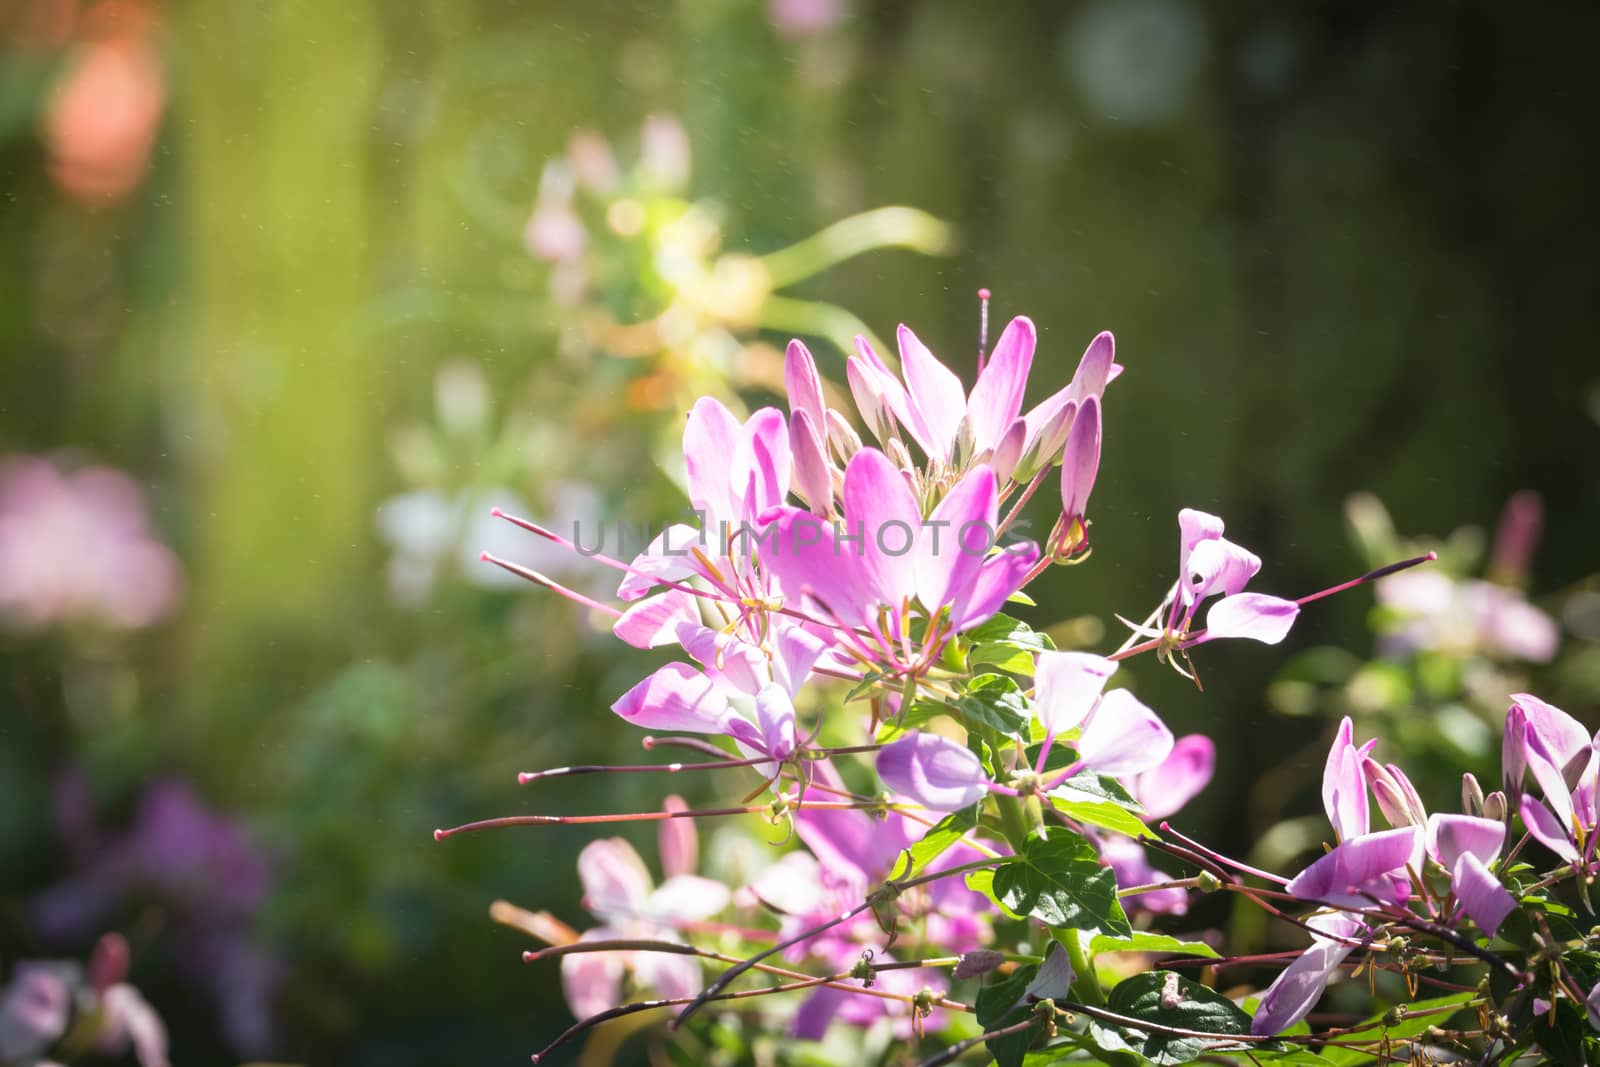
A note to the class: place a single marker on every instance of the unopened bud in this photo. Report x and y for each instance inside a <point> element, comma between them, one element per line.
<point>1471,795</point>
<point>1397,797</point>
<point>898,454</point>
<point>966,443</point>
<point>867,387</point>
<point>1207,882</point>
<point>1495,806</point>
<point>1009,450</point>
<point>843,441</point>
<point>1045,448</point>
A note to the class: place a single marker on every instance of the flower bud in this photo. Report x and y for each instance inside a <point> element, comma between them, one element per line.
<point>1471,795</point>
<point>843,441</point>
<point>1009,450</point>
<point>868,391</point>
<point>1494,806</point>
<point>1044,450</point>
<point>1396,797</point>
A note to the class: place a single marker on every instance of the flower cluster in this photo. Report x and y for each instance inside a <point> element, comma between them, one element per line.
<point>971,803</point>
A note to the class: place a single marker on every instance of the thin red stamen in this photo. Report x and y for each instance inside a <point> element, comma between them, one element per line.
<point>650,816</point>
<point>554,586</point>
<point>1370,576</point>
<point>637,768</point>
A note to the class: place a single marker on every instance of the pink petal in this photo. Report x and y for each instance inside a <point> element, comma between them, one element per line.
<point>802,553</point>
<point>1482,897</point>
<point>1001,575</point>
<point>1066,685</point>
<point>880,506</point>
<point>1293,994</point>
<point>675,697</point>
<point>813,478</point>
<point>761,457</point>
<point>956,539</point>
<point>1255,616</point>
<point>1218,564</point>
<point>933,770</point>
<point>775,716</point>
<point>669,975</point>
<point>1094,368</point>
<point>677,841</point>
<point>1165,789</point>
<point>803,384</point>
<point>935,391</point>
<point>1363,869</point>
<point>687,898</point>
<point>1452,836</point>
<point>709,439</point>
<point>1081,460</point>
<point>1123,736</point>
<point>1547,829</point>
<point>1194,528</point>
<point>997,397</point>
<point>616,882</point>
<point>724,657</point>
<point>1591,1005</point>
<point>1563,736</point>
<point>1048,426</point>
<point>888,394</point>
<point>667,557</point>
<point>654,622</point>
<point>1344,786</point>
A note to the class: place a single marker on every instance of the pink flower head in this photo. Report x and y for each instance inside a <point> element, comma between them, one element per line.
<point>618,890</point>
<point>885,552</point>
<point>1209,564</point>
<point>1466,845</point>
<point>932,405</point>
<point>77,548</point>
<point>738,689</point>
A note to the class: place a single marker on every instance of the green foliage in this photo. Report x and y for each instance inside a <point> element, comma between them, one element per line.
<point>1008,644</point>
<point>1059,881</point>
<point>1169,999</point>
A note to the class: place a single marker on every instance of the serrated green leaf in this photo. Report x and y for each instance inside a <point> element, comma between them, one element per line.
<point>1144,941</point>
<point>995,701</point>
<point>1059,881</point>
<point>1196,1007</point>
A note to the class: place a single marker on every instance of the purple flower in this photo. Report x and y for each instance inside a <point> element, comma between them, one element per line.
<point>1344,786</point>
<point>1363,871</point>
<point>1542,738</point>
<point>1209,564</point>
<point>1465,845</point>
<point>1296,991</point>
<point>934,771</point>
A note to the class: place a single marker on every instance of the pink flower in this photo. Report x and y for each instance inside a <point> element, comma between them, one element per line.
<point>1296,991</point>
<point>618,890</point>
<point>77,548</point>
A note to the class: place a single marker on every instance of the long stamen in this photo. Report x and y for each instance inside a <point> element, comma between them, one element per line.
<point>983,326</point>
<point>554,586</point>
<point>637,768</point>
<point>1370,576</point>
<point>650,816</point>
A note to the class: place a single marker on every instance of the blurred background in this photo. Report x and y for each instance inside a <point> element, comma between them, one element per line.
<point>291,293</point>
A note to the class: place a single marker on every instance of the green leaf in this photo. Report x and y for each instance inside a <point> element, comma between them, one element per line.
<point>945,833</point>
<point>1144,941</point>
<point>1007,643</point>
<point>997,1005</point>
<point>1105,814</point>
<point>995,701</point>
<point>1059,881</point>
<point>1167,998</point>
<point>1418,1016</point>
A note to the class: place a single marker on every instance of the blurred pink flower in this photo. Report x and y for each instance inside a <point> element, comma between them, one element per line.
<point>103,113</point>
<point>77,547</point>
<point>805,18</point>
